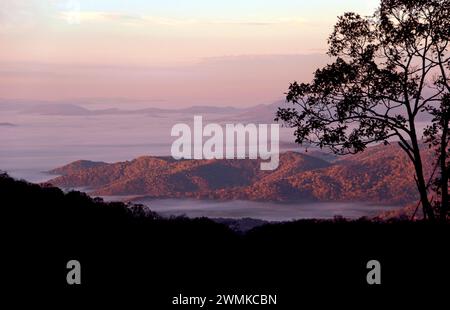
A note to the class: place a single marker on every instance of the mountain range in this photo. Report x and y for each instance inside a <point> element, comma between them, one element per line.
<point>260,112</point>
<point>381,174</point>
<point>255,113</point>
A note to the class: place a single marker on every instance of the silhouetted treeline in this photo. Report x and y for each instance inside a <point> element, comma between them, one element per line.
<point>126,249</point>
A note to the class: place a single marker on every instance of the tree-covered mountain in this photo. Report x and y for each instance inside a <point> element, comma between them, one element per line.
<point>382,174</point>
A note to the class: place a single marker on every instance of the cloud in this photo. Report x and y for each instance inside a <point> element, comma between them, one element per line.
<point>100,16</point>
<point>236,80</point>
<point>259,21</point>
<point>119,17</point>
<point>20,12</point>
<point>124,18</point>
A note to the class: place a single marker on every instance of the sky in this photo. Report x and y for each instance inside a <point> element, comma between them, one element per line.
<point>172,53</point>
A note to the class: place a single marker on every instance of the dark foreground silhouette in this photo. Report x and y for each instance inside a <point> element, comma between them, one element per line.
<point>133,253</point>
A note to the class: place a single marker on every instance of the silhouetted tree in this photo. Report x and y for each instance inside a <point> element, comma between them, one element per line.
<point>388,70</point>
<point>437,136</point>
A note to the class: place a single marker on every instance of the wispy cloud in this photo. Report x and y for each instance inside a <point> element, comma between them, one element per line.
<point>101,16</point>
<point>231,80</point>
<point>259,21</point>
<point>118,17</point>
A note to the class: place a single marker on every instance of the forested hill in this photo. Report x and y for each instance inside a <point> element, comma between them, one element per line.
<point>382,174</point>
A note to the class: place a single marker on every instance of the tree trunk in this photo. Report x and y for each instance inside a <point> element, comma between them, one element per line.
<point>428,212</point>
<point>421,186</point>
<point>444,171</point>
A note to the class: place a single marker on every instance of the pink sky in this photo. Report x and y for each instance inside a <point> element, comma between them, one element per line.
<point>239,53</point>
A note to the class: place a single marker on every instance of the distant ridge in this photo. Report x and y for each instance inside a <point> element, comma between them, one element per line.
<point>77,166</point>
<point>382,174</point>
<point>5,124</point>
<point>259,113</point>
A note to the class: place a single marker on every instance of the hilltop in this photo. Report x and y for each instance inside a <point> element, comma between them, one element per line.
<point>382,174</point>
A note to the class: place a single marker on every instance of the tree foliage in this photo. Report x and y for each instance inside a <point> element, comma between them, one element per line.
<point>389,70</point>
